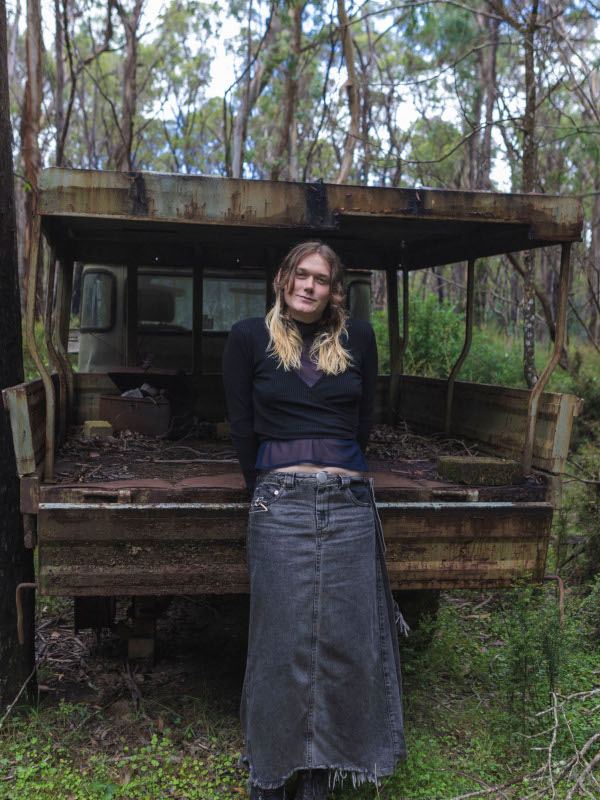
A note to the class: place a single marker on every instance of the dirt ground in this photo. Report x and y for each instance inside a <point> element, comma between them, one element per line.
<point>200,657</point>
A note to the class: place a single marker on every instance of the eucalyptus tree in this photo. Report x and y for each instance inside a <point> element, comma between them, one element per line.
<point>17,664</point>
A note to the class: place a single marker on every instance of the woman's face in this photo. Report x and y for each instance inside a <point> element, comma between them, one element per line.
<point>311,289</point>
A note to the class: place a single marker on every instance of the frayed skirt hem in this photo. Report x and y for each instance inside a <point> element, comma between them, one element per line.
<point>337,773</point>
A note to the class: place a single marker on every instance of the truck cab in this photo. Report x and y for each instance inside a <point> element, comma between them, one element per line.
<point>171,262</point>
<point>165,313</point>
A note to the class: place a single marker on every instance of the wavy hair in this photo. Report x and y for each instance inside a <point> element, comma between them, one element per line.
<point>285,341</point>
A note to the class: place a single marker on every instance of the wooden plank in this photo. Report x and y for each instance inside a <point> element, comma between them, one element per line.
<point>493,416</point>
<point>26,405</point>
<point>104,549</point>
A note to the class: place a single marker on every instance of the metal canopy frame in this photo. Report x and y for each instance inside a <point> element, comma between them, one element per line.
<point>181,220</point>
<point>117,218</point>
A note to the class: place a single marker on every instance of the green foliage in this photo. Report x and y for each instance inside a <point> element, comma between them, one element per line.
<point>435,340</point>
<point>29,368</point>
<point>538,647</point>
<point>579,520</point>
<point>47,755</point>
<point>471,699</point>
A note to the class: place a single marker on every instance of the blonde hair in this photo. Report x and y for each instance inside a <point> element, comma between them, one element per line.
<point>285,340</point>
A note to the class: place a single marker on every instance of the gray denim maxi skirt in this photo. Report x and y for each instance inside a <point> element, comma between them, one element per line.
<point>323,687</point>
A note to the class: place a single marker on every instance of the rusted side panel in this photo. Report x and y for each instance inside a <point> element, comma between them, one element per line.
<point>30,490</point>
<point>146,195</point>
<point>461,545</point>
<point>26,405</point>
<point>97,549</point>
<point>495,417</point>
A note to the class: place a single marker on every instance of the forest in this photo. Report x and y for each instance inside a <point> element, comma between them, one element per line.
<point>497,95</point>
<point>502,687</point>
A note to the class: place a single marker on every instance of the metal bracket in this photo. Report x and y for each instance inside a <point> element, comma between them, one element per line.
<point>559,342</point>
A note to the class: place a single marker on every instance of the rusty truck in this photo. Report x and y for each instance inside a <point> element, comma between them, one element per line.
<point>171,262</point>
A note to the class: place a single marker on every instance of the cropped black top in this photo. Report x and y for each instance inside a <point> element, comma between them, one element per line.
<point>265,402</point>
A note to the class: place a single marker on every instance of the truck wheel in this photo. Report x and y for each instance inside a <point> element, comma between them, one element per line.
<point>419,608</point>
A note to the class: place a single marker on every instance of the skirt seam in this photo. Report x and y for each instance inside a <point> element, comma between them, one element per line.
<point>384,661</point>
<point>313,660</point>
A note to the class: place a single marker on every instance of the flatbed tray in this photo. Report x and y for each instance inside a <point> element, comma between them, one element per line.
<point>200,468</point>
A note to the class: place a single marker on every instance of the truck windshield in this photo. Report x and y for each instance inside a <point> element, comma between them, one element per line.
<point>165,302</point>
<point>228,300</point>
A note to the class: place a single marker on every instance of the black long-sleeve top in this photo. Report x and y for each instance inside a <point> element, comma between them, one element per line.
<point>264,401</point>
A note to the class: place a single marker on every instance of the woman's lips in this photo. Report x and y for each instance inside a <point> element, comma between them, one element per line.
<point>308,299</point>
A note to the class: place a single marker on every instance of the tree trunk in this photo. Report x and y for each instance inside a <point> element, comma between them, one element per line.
<point>593,271</point>
<point>288,142</point>
<point>352,91</point>
<point>30,120</point>
<point>489,76</point>
<point>366,104</point>
<point>528,185</point>
<point>262,72</point>
<point>60,82</point>
<point>16,563</point>
<point>123,153</point>
<point>12,45</point>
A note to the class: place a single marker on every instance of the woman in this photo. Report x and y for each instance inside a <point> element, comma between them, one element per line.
<point>322,690</point>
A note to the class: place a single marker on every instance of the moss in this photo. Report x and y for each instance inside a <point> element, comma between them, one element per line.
<point>479,471</point>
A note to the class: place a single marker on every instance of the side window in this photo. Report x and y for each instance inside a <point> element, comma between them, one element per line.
<point>228,300</point>
<point>165,303</point>
<point>98,301</point>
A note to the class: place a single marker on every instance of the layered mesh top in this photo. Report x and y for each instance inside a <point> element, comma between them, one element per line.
<point>279,418</point>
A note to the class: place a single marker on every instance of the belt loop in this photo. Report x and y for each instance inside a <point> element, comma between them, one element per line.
<point>344,481</point>
<point>289,480</point>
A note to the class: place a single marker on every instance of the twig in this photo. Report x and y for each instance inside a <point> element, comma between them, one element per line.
<point>582,777</point>
<point>192,460</point>
<point>16,700</point>
<point>472,778</point>
<point>553,742</point>
<point>484,603</point>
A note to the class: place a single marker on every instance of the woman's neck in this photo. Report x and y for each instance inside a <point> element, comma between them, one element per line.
<point>307,328</point>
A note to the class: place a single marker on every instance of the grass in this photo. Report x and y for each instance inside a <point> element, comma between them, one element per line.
<point>471,699</point>
<point>469,708</point>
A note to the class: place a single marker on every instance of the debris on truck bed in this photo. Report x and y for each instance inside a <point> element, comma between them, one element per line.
<point>390,442</point>
<point>133,455</point>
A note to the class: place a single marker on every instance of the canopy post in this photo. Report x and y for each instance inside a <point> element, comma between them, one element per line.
<point>132,313</point>
<point>397,346</point>
<point>559,343</point>
<point>54,357</point>
<point>197,318</point>
<point>466,346</point>
<point>64,291</point>
<point>34,260</point>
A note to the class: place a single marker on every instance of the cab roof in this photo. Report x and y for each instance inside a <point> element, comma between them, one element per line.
<point>187,220</point>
